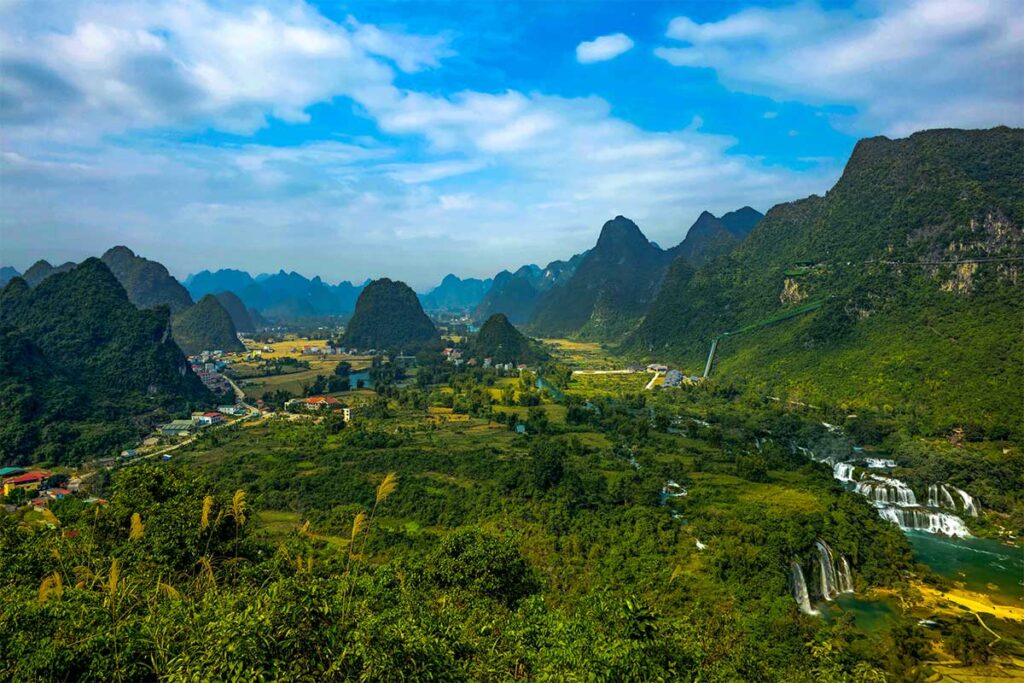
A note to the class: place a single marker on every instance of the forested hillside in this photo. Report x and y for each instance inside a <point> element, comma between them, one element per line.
<point>82,370</point>
<point>206,326</point>
<point>147,283</point>
<point>388,315</point>
<point>516,294</point>
<point>610,290</point>
<point>898,324</point>
<point>500,341</point>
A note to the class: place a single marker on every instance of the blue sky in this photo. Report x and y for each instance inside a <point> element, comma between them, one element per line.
<point>412,139</point>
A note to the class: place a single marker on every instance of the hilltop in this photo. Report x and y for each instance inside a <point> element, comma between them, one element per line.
<point>147,283</point>
<point>516,294</point>
<point>610,290</point>
<point>500,341</point>
<point>388,315</point>
<point>455,294</point>
<point>206,326</point>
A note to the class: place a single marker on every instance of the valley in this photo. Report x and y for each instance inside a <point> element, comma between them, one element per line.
<point>787,449</point>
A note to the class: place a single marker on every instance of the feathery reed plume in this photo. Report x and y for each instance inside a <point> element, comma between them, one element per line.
<point>204,520</point>
<point>49,517</point>
<point>386,487</point>
<point>358,526</point>
<point>114,576</point>
<point>51,586</point>
<point>167,590</point>
<point>138,529</point>
<point>239,507</point>
<point>676,573</point>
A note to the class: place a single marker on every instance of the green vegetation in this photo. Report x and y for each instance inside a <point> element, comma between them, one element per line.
<point>610,290</point>
<point>147,282</point>
<point>204,327</point>
<point>82,371</point>
<point>241,318</point>
<point>942,342</point>
<point>503,343</point>
<point>388,315</point>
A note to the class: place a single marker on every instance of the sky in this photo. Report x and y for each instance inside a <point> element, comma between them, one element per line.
<point>412,139</point>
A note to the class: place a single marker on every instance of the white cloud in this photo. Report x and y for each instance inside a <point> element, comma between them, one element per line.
<point>603,48</point>
<point>504,178</point>
<point>119,66</point>
<point>904,65</point>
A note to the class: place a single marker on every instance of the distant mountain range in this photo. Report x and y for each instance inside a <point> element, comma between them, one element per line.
<point>455,294</point>
<point>283,296</point>
<point>516,294</point>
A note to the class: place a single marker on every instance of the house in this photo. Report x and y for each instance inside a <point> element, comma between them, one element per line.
<point>178,428</point>
<point>657,367</point>
<point>207,419</point>
<point>314,402</point>
<point>231,410</point>
<point>673,378</point>
<point>10,471</point>
<point>488,362</point>
<point>29,481</point>
<point>128,453</point>
<point>58,494</point>
<point>346,414</point>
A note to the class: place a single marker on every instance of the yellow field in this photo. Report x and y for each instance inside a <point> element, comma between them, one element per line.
<point>580,354</point>
<point>608,385</point>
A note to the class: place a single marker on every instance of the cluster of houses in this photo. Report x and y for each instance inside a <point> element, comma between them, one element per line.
<point>455,356</point>
<point>199,420</point>
<point>38,482</point>
<point>320,403</point>
<point>208,366</point>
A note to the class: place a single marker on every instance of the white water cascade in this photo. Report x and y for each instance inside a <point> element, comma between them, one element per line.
<point>827,566</point>
<point>844,575</point>
<point>800,594</point>
<point>886,491</point>
<point>969,505</point>
<point>938,496</point>
<point>926,520</point>
<point>880,463</point>
<point>843,471</point>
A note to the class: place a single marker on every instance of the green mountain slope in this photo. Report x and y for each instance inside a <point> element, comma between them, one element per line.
<point>942,340</point>
<point>610,290</point>
<point>40,270</point>
<point>82,370</point>
<point>388,315</point>
<point>204,327</point>
<point>516,294</point>
<point>147,282</point>
<point>499,340</point>
<point>241,318</point>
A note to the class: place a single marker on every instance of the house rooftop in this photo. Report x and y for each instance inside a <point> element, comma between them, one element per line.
<point>27,478</point>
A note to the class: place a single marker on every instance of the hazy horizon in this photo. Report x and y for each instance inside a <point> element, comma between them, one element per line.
<point>412,140</point>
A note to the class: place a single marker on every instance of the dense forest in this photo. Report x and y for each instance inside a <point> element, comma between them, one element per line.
<point>82,370</point>
<point>388,315</point>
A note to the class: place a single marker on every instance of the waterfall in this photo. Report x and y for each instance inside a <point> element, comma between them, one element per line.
<point>844,575</point>
<point>880,463</point>
<point>886,491</point>
<point>800,594</point>
<point>828,571</point>
<point>843,471</point>
<point>926,520</point>
<point>969,506</point>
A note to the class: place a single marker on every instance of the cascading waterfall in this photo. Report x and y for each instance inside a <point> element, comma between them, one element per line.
<point>969,505</point>
<point>800,594</point>
<point>880,463</point>
<point>844,575</point>
<point>896,502</point>
<point>826,563</point>
<point>926,520</point>
<point>938,496</point>
<point>886,491</point>
<point>843,471</point>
